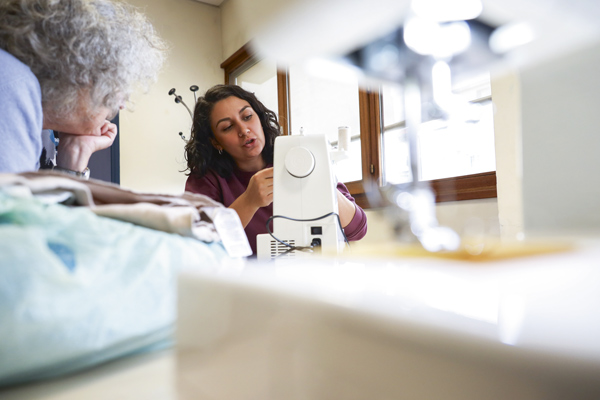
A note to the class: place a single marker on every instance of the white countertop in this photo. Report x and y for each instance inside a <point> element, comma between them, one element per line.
<point>411,327</point>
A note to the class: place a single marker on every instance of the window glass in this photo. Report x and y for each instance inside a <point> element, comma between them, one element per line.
<point>393,106</point>
<point>319,104</point>
<point>261,79</point>
<point>457,149</point>
<point>446,148</point>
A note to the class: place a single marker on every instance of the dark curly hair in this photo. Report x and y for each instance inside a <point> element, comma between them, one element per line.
<point>201,155</point>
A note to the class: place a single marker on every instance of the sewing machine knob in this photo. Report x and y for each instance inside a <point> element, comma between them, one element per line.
<point>299,162</point>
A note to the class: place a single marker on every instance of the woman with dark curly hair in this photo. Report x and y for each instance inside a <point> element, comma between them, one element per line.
<point>69,66</point>
<point>230,159</point>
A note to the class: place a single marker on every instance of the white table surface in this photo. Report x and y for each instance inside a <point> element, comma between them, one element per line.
<point>144,377</point>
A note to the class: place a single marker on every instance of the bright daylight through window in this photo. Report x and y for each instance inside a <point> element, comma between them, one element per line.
<point>456,155</point>
<point>446,148</point>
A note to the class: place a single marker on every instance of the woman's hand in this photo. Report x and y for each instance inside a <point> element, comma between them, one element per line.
<point>74,151</point>
<point>259,193</point>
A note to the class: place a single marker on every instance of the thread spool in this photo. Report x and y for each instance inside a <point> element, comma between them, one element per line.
<point>343,138</point>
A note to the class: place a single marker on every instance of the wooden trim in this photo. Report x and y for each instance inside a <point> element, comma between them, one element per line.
<point>355,187</point>
<point>365,128</point>
<point>468,187</point>
<point>370,133</point>
<point>365,198</point>
<point>366,191</point>
<point>374,139</point>
<point>363,201</point>
<point>283,100</point>
<point>236,60</point>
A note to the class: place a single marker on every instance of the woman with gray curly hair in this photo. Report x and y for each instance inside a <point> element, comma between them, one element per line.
<point>69,66</point>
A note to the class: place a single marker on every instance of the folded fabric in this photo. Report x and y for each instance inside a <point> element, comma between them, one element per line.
<point>77,289</point>
<point>186,214</point>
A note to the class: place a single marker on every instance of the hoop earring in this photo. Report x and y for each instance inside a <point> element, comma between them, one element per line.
<point>220,151</point>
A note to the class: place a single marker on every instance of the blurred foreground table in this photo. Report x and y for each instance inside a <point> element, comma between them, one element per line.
<point>518,322</point>
<point>141,377</point>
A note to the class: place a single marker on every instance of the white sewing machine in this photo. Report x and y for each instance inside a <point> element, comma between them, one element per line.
<point>304,200</point>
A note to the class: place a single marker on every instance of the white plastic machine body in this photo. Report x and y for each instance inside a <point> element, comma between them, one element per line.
<point>304,189</point>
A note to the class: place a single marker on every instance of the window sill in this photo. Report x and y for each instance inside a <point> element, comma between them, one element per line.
<point>468,187</point>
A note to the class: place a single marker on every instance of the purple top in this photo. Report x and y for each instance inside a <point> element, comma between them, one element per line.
<point>225,191</point>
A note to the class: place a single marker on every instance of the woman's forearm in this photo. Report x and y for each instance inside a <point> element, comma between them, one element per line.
<point>244,209</point>
<point>346,209</point>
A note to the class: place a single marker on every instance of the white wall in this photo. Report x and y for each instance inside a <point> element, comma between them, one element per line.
<point>240,19</point>
<point>561,185</point>
<point>507,128</point>
<point>235,26</point>
<point>151,149</point>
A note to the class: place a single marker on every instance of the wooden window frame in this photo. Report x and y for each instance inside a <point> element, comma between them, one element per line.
<point>467,187</point>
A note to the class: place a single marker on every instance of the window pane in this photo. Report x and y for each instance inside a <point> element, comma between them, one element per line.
<point>319,105</point>
<point>445,148</point>
<point>396,156</point>
<point>448,150</point>
<point>350,169</point>
<point>261,79</point>
<point>393,105</point>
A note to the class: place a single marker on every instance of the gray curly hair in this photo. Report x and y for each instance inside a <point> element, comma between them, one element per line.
<point>105,48</point>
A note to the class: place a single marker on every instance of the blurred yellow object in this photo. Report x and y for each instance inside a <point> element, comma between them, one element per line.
<point>470,250</point>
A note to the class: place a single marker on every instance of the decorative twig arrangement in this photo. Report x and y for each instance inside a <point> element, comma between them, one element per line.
<point>179,99</point>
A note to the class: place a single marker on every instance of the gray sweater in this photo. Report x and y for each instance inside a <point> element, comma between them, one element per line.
<point>21,116</point>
